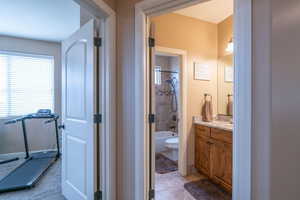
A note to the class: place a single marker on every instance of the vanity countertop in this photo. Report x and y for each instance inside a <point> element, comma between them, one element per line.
<point>227,126</point>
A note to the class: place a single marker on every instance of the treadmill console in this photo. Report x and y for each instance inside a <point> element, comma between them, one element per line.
<point>44,112</point>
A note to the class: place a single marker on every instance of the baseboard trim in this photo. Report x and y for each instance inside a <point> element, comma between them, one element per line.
<point>21,154</point>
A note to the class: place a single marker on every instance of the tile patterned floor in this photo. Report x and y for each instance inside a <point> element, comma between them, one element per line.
<point>48,187</point>
<point>170,186</point>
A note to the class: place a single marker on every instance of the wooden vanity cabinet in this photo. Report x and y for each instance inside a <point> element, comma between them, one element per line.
<point>221,164</point>
<point>213,154</point>
<point>203,154</point>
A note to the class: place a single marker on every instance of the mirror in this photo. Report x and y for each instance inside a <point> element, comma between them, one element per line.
<point>225,85</point>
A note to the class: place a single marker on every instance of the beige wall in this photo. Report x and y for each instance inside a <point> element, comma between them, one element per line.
<point>224,87</point>
<point>200,48</point>
<point>199,39</point>
<point>225,59</point>
<point>225,33</point>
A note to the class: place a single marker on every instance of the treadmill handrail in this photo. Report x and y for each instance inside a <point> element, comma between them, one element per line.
<point>32,116</point>
<point>14,120</point>
<point>52,120</point>
<point>41,116</point>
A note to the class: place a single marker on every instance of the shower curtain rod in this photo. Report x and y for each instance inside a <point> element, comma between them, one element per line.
<point>167,71</point>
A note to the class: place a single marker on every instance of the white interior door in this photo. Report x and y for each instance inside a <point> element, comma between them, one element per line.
<point>79,146</point>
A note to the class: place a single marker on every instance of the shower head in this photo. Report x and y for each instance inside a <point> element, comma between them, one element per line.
<point>172,92</point>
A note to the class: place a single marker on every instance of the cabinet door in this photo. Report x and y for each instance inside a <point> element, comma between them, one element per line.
<point>203,155</point>
<point>197,153</point>
<point>202,131</point>
<point>222,163</point>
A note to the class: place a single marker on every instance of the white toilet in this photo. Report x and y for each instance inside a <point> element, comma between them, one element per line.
<point>172,144</point>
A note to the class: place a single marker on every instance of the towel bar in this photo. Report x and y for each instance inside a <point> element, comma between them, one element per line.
<point>206,95</point>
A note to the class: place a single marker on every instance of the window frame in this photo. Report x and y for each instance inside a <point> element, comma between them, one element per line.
<point>33,55</point>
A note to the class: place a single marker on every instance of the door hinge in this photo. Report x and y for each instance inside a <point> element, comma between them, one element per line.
<point>151,42</point>
<point>98,195</point>
<point>98,41</point>
<point>151,194</point>
<point>151,118</point>
<point>97,118</point>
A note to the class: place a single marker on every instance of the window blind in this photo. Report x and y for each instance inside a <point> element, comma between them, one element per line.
<point>26,84</point>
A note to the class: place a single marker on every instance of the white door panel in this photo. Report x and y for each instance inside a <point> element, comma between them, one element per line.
<point>75,78</point>
<point>78,101</point>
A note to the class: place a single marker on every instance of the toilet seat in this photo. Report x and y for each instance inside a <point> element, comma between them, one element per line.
<point>172,143</point>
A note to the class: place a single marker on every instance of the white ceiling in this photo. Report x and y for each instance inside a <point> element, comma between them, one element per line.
<point>213,11</point>
<point>50,20</point>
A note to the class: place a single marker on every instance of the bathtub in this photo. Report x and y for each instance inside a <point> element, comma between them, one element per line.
<point>160,138</point>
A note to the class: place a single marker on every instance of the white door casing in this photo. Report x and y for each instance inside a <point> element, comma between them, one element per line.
<point>151,92</point>
<point>107,18</point>
<point>182,104</point>
<point>78,108</point>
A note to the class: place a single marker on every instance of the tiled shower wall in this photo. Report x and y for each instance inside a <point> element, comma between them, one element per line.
<point>166,119</point>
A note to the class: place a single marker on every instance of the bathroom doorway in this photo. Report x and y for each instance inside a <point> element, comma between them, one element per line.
<point>167,85</point>
<point>169,64</point>
<point>170,98</point>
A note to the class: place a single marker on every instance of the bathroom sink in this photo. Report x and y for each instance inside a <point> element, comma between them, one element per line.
<point>223,124</point>
<point>226,125</point>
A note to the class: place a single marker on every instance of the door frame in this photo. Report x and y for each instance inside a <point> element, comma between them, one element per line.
<point>107,17</point>
<point>242,90</point>
<point>182,104</point>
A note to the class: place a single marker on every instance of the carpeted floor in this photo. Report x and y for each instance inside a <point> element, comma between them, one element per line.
<point>164,165</point>
<point>48,188</point>
<point>204,189</point>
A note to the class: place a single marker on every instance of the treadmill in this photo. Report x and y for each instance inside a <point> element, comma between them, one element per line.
<point>26,175</point>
